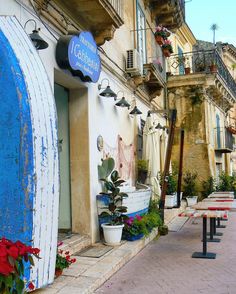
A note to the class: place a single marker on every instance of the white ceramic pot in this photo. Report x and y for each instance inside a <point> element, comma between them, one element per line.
<point>191,200</point>
<point>170,201</point>
<point>112,234</point>
<point>175,199</point>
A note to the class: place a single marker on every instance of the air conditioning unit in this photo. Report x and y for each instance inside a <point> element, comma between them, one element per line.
<point>134,64</point>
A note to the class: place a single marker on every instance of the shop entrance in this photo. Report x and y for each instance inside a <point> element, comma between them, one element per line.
<point>62,103</point>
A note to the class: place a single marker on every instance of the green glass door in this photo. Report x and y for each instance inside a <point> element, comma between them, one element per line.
<point>62,104</point>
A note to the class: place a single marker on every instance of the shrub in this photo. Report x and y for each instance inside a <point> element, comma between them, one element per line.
<point>190,187</point>
<point>209,186</point>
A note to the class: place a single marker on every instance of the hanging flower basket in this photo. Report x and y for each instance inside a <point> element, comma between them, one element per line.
<point>160,40</point>
<point>166,52</point>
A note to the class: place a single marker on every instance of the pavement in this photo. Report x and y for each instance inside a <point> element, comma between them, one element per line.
<point>165,266</point>
<point>88,274</point>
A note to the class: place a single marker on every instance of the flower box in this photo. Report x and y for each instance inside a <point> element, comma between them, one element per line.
<point>159,40</point>
<point>166,52</point>
<point>134,238</point>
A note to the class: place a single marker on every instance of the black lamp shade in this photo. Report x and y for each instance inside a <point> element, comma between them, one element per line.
<point>123,103</point>
<point>38,42</point>
<point>108,93</point>
<point>135,111</point>
<point>159,126</point>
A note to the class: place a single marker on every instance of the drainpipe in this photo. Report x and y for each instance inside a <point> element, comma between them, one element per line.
<point>181,153</point>
<point>167,163</point>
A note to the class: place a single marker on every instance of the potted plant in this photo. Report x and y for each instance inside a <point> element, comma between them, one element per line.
<point>190,187</point>
<point>208,187</point>
<point>142,166</point>
<point>161,35</point>
<point>213,66</point>
<point>171,198</point>
<point>167,48</point>
<point>63,260</point>
<point>134,228</point>
<point>226,182</point>
<point>113,208</point>
<point>14,258</point>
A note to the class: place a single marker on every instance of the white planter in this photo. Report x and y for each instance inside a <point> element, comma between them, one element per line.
<point>191,200</point>
<point>112,234</point>
<point>175,200</point>
<point>170,201</point>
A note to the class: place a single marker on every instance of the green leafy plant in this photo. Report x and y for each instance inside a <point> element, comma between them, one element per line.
<point>190,187</point>
<point>142,164</point>
<point>208,187</point>
<point>137,225</point>
<point>226,182</point>
<point>171,183</point>
<point>111,188</point>
<point>134,226</point>
<point>63,259</point>
<point>14,256</point>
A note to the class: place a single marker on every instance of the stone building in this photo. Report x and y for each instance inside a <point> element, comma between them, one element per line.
<point>204,97</point>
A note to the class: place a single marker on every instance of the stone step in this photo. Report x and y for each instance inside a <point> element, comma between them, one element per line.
<point>75,243</point>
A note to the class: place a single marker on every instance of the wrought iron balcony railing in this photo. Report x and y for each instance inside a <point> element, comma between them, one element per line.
<point>224,141</point>
<point>203,61</point>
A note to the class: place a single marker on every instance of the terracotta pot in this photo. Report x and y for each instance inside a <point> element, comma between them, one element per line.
<point>159,40</point>
<point>58,272</point>
<point>187,70</point>
<point>166,52</point>
<point>213,68</point>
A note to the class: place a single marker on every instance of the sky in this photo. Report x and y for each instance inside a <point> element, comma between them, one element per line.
<point>201,14</point>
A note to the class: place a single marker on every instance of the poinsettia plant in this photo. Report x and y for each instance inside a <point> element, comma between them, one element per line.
<point>14,256</point>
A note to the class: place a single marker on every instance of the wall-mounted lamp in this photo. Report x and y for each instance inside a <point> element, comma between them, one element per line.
<point>135,111</point>
<point>159,126</point>
<point>38,42</point>
<point>122,102</point>
<point>108,91</point>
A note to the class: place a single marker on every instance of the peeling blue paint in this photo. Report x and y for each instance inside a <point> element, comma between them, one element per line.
<point>17,185</point>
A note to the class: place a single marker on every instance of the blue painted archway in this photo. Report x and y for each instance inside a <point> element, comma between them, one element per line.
<point>29,180</point>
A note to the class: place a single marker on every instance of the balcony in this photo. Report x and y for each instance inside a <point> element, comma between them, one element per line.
<point>224,141</point>
<point>169,13</point>
<point>207,69</point>
<point>101,17</point>
<point>154,70</point>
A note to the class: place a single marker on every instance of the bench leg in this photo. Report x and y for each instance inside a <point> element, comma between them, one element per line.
<point>219,225</point>
<point>204,253</point>
<point>213,231</point>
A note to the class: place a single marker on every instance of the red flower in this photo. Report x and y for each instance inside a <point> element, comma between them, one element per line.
<point>73,260</point>
<point>13,251</point>
<point>3,250</point>
<point>6,269</point>
<point>67,253</point>
<point>31,286</point>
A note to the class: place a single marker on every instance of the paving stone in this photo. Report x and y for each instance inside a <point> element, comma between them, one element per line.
<point>166,266</point>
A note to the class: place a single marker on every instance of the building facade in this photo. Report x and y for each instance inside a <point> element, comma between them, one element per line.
<point>86,126</point>
<point>204,96</point>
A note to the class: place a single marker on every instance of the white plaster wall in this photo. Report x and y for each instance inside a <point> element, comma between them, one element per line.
<point>104,117</point>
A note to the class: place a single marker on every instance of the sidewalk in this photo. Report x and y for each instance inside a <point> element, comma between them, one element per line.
<point>166,267</point>
<point>87,274</point>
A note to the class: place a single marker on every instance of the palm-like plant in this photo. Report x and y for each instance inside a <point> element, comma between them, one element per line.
<point>214,28</point>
